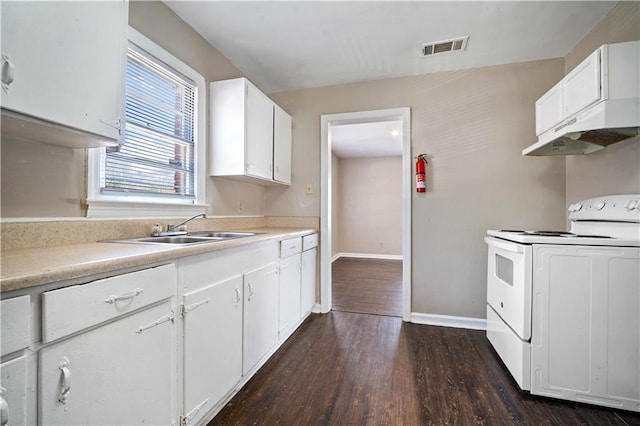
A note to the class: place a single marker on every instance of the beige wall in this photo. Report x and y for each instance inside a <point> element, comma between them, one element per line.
<point>616,169</point>
<point>41,180</point>
<point>370,205</point>
<point>46,181</point>
<point>474,125</point>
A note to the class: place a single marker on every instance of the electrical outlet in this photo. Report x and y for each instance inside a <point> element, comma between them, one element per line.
<point>240,206</point>
<point>309,189</point>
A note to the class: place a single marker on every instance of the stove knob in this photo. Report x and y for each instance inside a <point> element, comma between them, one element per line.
<point>632,205</point>
<point>600,205</point>
<point>575,207</point>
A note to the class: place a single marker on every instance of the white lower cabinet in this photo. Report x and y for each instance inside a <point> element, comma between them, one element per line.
<point>212,335</point>
<point>308,287</point>
<point>164,345</point>
<point>15,389</point>
<point>289,295</point>
<point>115,363</point>
<point>260,314</point>
<point>119,373</point>
<point>13,383</point>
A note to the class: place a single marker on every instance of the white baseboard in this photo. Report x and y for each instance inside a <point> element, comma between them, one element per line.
<point>367,256</point>
<point>449,321</point>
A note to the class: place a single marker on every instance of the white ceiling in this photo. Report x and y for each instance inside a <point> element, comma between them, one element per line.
<point>289,45</point>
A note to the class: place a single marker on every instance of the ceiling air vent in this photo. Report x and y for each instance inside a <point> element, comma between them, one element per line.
<point>445,46</point>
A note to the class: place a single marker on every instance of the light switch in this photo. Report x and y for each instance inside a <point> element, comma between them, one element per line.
<point>309,189</point>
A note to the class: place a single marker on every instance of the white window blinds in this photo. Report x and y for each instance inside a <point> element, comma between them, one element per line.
<point>157,156</point>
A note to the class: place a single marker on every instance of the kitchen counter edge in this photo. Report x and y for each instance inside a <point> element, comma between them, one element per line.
<point>24,268</point>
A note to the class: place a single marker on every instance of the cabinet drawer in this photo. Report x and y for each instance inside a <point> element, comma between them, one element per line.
<point>290,247</point>
<point>309,242</point>
<point>72,309</point>
<point>15,317</point>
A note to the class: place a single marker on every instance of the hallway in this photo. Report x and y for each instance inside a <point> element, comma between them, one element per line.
<point>367,286</point>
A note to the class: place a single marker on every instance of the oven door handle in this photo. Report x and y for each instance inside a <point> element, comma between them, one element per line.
<point>503,245</point>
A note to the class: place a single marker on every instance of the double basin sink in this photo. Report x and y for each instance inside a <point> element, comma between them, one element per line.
<point>201,237</point>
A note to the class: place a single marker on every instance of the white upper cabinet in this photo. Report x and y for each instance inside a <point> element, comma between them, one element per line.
<point>259,133</point>
<point>581,87</point>
<point>549,109</point>
<point>63,71</point>
<point>282,137</point>
<point>576,91</point>
<point>246,134</point>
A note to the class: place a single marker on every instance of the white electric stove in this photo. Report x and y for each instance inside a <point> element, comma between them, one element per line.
<point>563,308</point>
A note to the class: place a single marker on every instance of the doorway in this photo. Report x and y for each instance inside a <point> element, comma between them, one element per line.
<point>330,128</point>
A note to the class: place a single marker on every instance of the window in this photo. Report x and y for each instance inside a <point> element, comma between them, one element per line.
<point>159,161</point>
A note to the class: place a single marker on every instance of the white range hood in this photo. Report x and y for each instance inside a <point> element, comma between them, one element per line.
<point>597,104</point>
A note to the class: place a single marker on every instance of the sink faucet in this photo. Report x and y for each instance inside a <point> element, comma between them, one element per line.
<point>172,229</point>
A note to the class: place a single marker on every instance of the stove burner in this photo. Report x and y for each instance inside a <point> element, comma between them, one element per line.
<point>551,233</point>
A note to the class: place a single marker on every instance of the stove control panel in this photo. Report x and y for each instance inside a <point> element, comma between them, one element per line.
<point>625,208</point>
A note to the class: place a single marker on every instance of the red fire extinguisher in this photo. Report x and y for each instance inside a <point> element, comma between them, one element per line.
<point>421,183</point>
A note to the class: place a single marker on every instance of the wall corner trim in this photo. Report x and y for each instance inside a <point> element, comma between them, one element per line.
<point>449,321</point>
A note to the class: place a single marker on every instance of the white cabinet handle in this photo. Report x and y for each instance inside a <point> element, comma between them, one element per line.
<point>4,409</point>
<point>113,298</point>
<point>238,296</point>
<point>169,317</point>
<point>65,387</point>
<point>7,72</point>
<point>250,291</point>
<point>189,308</point>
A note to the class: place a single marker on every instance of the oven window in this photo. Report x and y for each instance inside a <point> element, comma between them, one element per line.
<point>504,269</point>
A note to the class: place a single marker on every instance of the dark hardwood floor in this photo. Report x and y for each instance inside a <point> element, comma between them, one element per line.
<point>367,286</point>
<point>355,369</point>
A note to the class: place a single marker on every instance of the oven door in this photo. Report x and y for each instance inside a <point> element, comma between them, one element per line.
<point>509,284</point>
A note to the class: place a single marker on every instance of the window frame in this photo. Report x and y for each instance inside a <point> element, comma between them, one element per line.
<point>100,204</point>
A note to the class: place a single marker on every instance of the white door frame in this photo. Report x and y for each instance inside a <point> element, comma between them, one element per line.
<point>326,121</point>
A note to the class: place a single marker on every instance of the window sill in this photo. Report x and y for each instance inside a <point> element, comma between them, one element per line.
<point>115,209</point>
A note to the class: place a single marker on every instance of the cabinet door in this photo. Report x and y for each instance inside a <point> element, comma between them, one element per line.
<point>259,134</point>
<point>581,87</point>
<point>119,373</point>
<point>212,345</point>
<point>67,61</point>
<point>260,314</point>
<point>282,146</point>
<point>308,296</point>
<point>289,303</point>
<point>13,379</point>
<point>549,109</point>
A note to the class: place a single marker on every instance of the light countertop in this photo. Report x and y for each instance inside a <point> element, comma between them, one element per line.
<point>23,268</point>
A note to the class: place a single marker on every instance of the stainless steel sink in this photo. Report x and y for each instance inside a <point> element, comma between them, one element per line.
<point>222,234</point>
<point>173,240</point>
<point>201,237</point>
